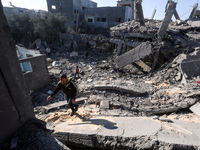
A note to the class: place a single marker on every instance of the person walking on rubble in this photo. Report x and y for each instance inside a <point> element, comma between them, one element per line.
<point>76,72</point>
<point>70,90</point>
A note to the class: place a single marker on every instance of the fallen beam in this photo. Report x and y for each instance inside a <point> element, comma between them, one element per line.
<point>154,12</point>
<point>169,109</point>
<point>176,15</point>
<point>193,12</point>
<point>135,54</point>
<point>61,104</point>
<point>135,91</point>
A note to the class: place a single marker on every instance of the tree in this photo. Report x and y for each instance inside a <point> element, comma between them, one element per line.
<point>48,26</point>
<point>21,27</point>
<point>45,26</point>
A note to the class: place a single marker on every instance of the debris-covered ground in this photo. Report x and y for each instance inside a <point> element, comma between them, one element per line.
<point>156,86</point>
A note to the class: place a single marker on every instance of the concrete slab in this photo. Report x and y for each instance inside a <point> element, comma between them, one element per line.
<point>125,89</point>
<point>196,109</point>
<point>61,103</point>
<point>180,132</point>
<point>135,54</point>
<point>105,104</point>
<point>112,126</point>
<point>129,132</point>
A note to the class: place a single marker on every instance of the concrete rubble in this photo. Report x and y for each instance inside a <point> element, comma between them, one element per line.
<point>125,104</point>
<point>123,107</point>
<point>138,87</point>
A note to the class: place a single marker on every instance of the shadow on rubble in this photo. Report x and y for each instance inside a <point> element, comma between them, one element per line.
<point>103,122</point>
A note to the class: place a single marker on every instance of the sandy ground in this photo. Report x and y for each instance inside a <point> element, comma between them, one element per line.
<point>63,115</point>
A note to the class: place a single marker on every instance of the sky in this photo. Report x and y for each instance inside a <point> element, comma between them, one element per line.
<point>183,6</point>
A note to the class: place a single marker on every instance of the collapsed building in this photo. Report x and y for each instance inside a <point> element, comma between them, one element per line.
<point>34,68</point>
<point>156,39</point>
<point>121,106</point>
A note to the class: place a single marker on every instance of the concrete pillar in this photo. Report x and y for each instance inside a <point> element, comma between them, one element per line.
<point>154,12</point>
<point>135,10</point>
<point>192,14</point>
<point>176,15</point>
<point>168,16</point>
<point>119,48</point>
<point>132,6</point>
<point>140,13</point>
<point>175,12</point>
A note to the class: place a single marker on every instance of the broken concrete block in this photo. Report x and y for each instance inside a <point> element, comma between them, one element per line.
<point>196,109</point>
<point>105,104</point>
<point>178,77</point>
<point>135,54</point>
<point>74,54</point>
<point>165,119</point>
<point>56,64</point>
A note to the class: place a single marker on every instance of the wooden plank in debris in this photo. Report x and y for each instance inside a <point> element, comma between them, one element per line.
<point>135,54</point>
<point>143,65</point>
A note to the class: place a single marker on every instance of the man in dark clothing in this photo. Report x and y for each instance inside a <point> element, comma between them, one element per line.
<point>70,89</point>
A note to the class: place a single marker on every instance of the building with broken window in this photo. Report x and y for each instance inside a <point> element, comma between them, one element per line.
<point>107,17</point>
<point>79,11</point>
<point>72,9</point>
<point>34,68</point>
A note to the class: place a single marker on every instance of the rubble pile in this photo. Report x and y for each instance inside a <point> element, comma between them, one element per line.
<point>141,71</point>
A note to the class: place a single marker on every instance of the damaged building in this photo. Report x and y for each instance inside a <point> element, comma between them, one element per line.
<point>34,68</point>
<point>72,9</point>
<point>19,128</point>
<point>138,88</point>
<point>79,11</point>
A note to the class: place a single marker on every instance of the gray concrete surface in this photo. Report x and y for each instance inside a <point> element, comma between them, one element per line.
<point>196,108</point>
<point>15,107</point>
<point>112,131</point>
<point>39,76</point>
<point>135,54</point>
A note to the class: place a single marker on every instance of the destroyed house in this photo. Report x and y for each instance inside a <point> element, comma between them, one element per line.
<point>107,17</point>
<point>34,68</point>
<point>72,9</point>
<point>79,11</point>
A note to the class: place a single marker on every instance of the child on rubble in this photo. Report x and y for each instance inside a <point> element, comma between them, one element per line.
<point>76,72</point>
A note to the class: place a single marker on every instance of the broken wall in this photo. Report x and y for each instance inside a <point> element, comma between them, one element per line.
<point>190,66</point>
<point>39,76</point>
<point>106,17</point>
<point>72,9</point>
<point>65,7</point>
<point>15,103</point>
